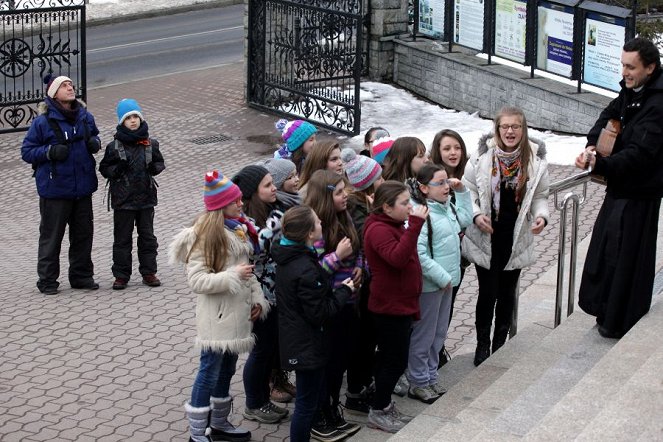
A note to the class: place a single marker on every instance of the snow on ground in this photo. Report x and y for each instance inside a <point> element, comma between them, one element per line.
<point>402,114</point>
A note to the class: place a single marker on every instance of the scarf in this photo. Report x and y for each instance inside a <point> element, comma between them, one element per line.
<point>288,200</point>
<point>69,114</point>
<point>241,227</point>
<point>506,169</point>
<point>138,136</point>
<point>288,242</point>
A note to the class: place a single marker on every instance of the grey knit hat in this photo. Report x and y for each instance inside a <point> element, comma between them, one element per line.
<point>280,170</point>
<point>248,179</point>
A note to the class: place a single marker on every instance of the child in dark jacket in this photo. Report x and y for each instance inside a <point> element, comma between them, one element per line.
<point>131,161</point>
<point>396,282</point>
<point>306,303</point>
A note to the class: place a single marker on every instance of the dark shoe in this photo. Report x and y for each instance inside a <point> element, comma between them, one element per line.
<point>151,280</point>
<point>234,435</point>
<point>609,333</point>
<point>264,414</point>
<point>337,421</point>
<point>89,285</point>
<point>499,337</point>
<point>50,290</point>
<point>326,433</point>
<point>444,357</point>
<point>120,284</point>
<point>357,403</point>
<point>481,354</point>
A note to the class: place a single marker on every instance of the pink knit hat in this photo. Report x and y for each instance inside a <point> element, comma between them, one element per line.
<point>219,191</point>
<point>380,148</point>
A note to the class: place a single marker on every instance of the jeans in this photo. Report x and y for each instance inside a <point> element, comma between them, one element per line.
<point>393,338</point>
<point>214,375</point>
<point>309,384</point>
<point>261,360</point>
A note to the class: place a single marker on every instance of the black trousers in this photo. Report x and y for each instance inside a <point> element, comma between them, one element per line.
<point>393,337</point>
<point>497,293</point>
<point>123,228</point>
<point>56,214</point>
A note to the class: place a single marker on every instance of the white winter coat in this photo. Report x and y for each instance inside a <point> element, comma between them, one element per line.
<point>476,245</point>
<point>225,300</point>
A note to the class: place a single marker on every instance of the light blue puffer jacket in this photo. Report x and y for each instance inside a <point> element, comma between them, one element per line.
<point>443,266</point>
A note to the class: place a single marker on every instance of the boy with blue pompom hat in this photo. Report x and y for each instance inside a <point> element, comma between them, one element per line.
<point>131,161</point>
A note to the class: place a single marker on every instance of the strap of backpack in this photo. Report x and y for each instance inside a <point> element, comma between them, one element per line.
<point>120,150</point>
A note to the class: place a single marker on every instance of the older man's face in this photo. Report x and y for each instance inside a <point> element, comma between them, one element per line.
<point>66,92</point>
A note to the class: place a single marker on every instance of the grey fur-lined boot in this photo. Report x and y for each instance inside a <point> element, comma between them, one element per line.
<point>198,417</point>
<point>222,429</point>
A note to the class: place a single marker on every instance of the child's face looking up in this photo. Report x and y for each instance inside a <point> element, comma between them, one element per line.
<point>132,122</point>
<point>291,184</point>
<point>340,197</point>
<point>267,189</point>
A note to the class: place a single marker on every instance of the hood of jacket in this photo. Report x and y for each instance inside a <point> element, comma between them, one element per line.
<point>43,107</point>
<point>487,142</point>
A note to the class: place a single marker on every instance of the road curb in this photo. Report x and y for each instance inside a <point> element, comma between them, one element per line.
<point>163,11</point>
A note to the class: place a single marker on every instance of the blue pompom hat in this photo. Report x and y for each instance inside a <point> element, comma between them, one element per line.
<point>295,133</point>
<point>127,107</point>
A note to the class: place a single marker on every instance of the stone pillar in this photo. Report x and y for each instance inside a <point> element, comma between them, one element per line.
<point>388,20</point>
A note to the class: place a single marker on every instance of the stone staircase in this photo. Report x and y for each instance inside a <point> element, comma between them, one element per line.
<point>567,383</point>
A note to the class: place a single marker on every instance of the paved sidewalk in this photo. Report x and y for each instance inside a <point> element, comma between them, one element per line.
<point>114,366</point>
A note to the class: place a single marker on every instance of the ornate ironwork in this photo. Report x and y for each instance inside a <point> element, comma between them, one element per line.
<point>305,60</point>
<point>38,38</point>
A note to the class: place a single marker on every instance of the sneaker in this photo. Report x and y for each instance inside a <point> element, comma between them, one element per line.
<point>281,411</point>
<point>326,433</point>
<point>402,386</point>
<point>437,388</point>
<point>384,420</point>
<point>120,284</point>
<point>423,394</point>
<point>264,414</point>
<point>398,415</point>
<point>337,420</point>
<point>151,280</point>
<point>357,403</point>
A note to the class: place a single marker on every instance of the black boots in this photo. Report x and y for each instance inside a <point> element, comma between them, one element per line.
<point>499,337</point>
<point>483,346</point>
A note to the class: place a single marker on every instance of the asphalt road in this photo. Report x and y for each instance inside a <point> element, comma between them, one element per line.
<point>139,49</point>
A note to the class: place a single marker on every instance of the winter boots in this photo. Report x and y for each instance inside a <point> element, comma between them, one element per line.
<point>220,428</point>
<point>483,346</point>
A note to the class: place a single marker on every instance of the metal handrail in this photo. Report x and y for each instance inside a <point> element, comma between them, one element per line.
<point>576,200</point>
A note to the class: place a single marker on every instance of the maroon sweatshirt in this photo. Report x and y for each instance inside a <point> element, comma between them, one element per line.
<point>396,278</point>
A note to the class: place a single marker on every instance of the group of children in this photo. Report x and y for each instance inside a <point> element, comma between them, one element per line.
<point>331,263</point>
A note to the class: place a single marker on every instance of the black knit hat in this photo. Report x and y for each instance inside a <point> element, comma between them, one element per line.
<point>248,179</point>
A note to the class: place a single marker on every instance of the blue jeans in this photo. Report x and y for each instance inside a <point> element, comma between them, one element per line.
<point>309,383</point>
<point>261,360</point>
<point>214,375</point>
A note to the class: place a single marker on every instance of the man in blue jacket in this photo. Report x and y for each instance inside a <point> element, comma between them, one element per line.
<point>60,145</point>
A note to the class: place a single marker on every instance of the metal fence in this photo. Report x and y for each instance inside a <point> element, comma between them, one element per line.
<point>38,38</point>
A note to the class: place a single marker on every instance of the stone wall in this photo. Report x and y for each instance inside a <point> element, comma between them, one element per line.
<point>460,80</point>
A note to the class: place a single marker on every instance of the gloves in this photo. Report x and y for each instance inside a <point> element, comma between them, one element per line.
<point>121,168</point>
<point>93,145</point>
<point>58,152</point>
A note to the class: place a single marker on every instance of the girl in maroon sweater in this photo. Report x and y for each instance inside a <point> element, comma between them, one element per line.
<point>391,251</point>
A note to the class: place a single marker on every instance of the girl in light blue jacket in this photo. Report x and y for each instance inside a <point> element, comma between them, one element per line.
<point>439,253</point>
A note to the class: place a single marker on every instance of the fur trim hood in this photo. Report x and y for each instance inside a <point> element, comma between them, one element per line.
<point>42,108</point>
<point>487,142</point>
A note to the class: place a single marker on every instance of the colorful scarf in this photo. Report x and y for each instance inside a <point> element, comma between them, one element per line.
<point>241,227</point>
<point>506,169</point>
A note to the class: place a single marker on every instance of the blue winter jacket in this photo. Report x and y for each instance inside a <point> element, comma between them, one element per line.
<point>72,178</point>
<point>444,265</point>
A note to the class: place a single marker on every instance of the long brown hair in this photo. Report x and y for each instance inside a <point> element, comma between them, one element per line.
<point>436,155</point>
<point>387,194</point>
<point>211,236</point>
<point>526,153</point>
<point>397,162</point>
<point>257,209</point>
<point>335,224</point>
<point>298,223</point>
<point>317,159</point>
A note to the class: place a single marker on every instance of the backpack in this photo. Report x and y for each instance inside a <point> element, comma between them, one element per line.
<point>119,147</point>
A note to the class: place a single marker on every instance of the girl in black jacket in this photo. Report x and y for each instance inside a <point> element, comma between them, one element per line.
<point>306,303</point>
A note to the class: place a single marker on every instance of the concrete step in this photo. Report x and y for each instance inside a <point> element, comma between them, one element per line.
<point>622,382</point>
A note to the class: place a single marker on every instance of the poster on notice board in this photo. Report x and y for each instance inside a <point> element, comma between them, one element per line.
<point>554,52</point>
<point>510,24</point>
<point>468,23</point>
<point>431,18</point>
<point>604,39</point>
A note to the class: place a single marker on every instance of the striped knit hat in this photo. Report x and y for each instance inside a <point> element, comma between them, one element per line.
<point>219,191</point>
<point>381,148</point>
<point>361,171</point>
<point>295,133</point>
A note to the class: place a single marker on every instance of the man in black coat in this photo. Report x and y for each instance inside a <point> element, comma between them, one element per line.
<point>618,276</point>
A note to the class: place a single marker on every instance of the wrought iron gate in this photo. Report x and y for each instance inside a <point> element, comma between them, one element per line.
<point>39,37</point>
<point>305,60</point>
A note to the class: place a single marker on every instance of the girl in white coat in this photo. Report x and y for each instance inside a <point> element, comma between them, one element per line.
<point>216,252</point>
<point>508,181</point>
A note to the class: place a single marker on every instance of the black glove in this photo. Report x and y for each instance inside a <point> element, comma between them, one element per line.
<point>121,168</point>
<point>58,152</point>
<point>93,145</point>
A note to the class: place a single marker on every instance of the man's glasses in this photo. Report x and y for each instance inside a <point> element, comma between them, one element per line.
<point>514,127</point>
